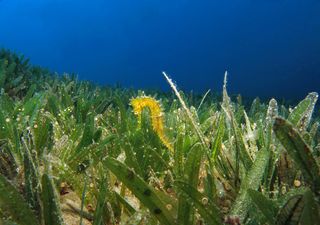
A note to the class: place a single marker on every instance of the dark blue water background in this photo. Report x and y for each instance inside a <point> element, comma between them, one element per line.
<point>271,48</point>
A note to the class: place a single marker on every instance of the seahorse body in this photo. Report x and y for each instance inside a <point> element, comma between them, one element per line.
<point>157,120</point>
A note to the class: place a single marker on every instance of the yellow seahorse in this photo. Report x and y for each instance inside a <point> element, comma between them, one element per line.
<point>142,102</point>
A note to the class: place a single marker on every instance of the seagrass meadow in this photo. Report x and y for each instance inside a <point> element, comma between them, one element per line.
<point>72,152</point>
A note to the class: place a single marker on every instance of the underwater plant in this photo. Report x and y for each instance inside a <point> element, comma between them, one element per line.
<point>71,153</point>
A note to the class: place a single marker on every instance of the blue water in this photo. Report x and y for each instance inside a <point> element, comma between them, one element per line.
<point>270,47</point>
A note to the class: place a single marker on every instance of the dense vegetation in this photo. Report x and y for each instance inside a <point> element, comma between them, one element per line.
<point>72,152</point>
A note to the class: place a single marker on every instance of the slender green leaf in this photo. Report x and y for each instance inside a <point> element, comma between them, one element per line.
<point>298,150</point>
<point>266,206</point>
<point>301,114</point>
<point>51,206</point>
<point>145,193</point>
<point>291,212</point>
<point>311,211</point>
<point>252,180</point>
<point>216,145</point>
<point>32,181</point>
<point>14,205</point>
<point>206,208</point>
<point>191,170</point>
